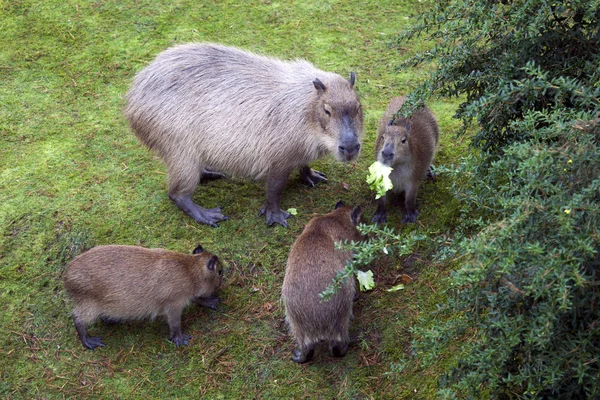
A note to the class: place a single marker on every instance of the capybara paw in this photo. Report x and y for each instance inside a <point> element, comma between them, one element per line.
<point>210,302</point>
<point>339,349</point>
<point>430,174</point>
<point>280,217</point>
<point>300,357</point>
<point>181,339</point>
<point>410,217</point>
<point>210,175</point>
<point>379,218</point>
<point>91,342</point>
<point>311,177</point>
<point>210,216</point>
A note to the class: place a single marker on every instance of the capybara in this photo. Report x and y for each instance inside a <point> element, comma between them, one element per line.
<point>129,282</point>
<point>208,109</point>
<point>312,264</point>
<point>408,146</point>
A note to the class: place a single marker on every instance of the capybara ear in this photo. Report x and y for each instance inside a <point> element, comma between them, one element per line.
<point>356,214</point>
<point>352,79</point>
<point>212,263</point>
<point>338,205</point>
<point>391,123</point>
<point>198,250</point>
<point>319,86</point>
<point>407,127</point>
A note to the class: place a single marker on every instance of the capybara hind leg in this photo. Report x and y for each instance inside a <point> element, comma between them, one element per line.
<point>271,208</point>
<point>182,183</point>
<point>338,349</point>
<point>311,177</point>
<point>91,342</point>
<point>301,355</point>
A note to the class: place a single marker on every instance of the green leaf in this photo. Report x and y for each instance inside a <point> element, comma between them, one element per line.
<point>379,178</point>
<point>292,211</point>
<point>365,279</point>
<point>396,288</point>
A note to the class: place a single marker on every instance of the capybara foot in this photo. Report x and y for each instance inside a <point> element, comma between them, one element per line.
<point>91,342</point>
<point>278,216</point>
<point>210,175</point>
<point>311,177</point>
<point>430,174</point>
<point>339,349</point>
<point>301,356</point>
<point>208,216</point>
<point>379,217</point>
<point>180,339</point>
<point>210,302</point>
<point>410,217</point>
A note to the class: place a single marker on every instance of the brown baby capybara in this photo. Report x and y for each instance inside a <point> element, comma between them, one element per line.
<point>128,282</point>
<point>312,264</point>
<point>208,109</point>
<point>408,146</point>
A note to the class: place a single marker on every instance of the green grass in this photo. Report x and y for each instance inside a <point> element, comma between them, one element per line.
<point>73,176</point>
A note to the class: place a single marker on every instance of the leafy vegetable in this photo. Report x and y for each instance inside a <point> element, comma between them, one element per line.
<point>379,178</point>
<point>365,279</point>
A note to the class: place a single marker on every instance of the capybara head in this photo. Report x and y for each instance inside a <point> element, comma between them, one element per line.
<point>396,143</point>
<point>210,269</point>
<point>339,113</point>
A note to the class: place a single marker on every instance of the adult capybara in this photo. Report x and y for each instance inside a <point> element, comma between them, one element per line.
<point>207,108</point>
<point>408,146</point>
<point>312,264</point>
<point>128,282</point>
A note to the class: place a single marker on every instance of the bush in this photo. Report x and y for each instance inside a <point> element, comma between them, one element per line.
<point>527,292</point>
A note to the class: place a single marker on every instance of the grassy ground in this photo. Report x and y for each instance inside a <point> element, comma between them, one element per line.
<point>73,176</point>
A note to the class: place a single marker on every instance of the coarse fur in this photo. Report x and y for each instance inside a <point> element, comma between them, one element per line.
<point>117,283</point>
<point>206,107</point>
<point>312,264</point>
<point>407,145</point>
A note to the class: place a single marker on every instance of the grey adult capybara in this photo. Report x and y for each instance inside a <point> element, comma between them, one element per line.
<point>207,107</point>
<point>408,146</point>
<point>312,264</point>
<point>128,282</point>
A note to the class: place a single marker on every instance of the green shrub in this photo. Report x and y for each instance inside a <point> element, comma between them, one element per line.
<point>524,302</point>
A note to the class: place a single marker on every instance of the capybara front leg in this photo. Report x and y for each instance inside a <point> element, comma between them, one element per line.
<point>311,177</point>
<point>410,202</point>
<point>271,208</point>
<point>176,335</point>
<point>380,216</point>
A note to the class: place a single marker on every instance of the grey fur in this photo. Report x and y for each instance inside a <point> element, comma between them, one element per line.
<point>208,106</point>
<point>312,264</point>
<point>408,146</point>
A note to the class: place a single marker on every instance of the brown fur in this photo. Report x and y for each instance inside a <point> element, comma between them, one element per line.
<point>210,107</point>
<point>312,264</point>
<point>409,152</point>
<point>128,282</point>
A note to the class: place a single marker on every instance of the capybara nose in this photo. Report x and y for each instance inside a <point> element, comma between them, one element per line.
<point>350,150</point>
<point>387,155</point>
